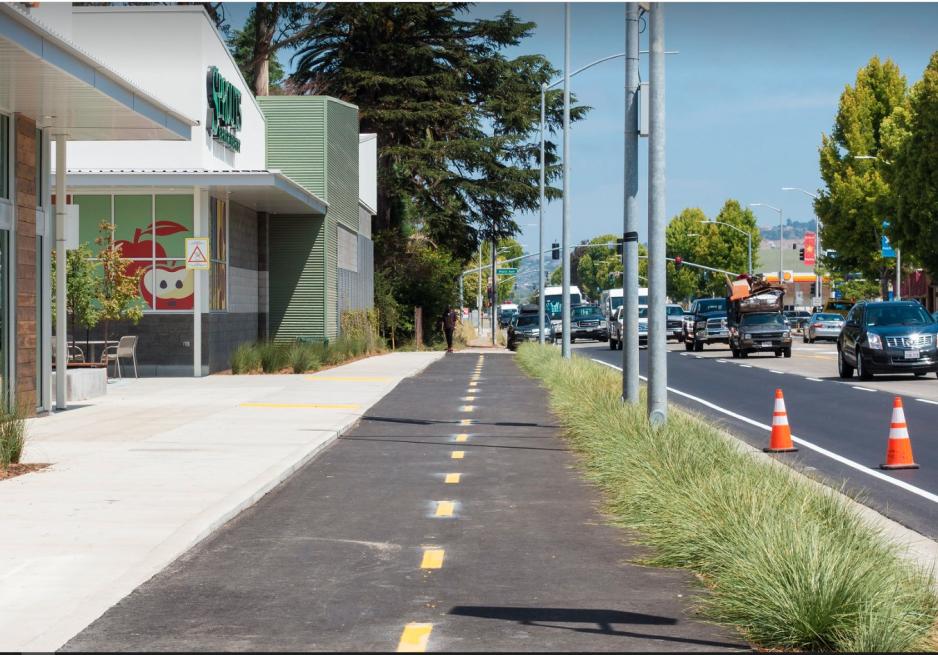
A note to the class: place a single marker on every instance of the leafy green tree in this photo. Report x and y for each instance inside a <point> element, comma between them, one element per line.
<point>859,289</point>
<point>911,136</point>
<point>858,198</point>
<point>81,289</point>
<point>457,119</point>
<point>507,249</point>
<point>269,28</point>
<point>118,297</point>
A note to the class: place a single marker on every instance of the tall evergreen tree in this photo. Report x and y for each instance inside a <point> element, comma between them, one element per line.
<point>857,198</point>
<point>456,120</point>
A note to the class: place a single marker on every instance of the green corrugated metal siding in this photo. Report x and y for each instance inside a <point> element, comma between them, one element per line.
<point>314,141</point>
<point>297,278</point>
<point>342,164</point>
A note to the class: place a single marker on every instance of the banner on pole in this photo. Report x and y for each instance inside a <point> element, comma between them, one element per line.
<point>810,245</point>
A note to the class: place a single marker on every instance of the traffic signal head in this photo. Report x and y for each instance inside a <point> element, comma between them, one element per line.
<point>801,254</point>
<point>619,246</point>
<point>678,262</point>
<point>555,250</point>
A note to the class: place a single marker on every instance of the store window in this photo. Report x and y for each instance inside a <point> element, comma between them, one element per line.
<point>218,253</point>
<point>4,157</point>
<point>151,230</point>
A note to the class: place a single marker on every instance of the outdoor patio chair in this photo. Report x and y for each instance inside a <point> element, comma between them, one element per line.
<point>126,347</point>
<point>75,353</point>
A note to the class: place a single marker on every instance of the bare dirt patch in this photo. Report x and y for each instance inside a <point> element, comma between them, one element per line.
<point>14,470</point>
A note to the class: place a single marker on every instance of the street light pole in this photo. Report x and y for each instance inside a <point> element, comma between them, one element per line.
<point>657,250</point>
<point>781,233</point>
<point>540,231</point>
<point>817,240</point>
<point>565,231</point>
<point>630,387</point>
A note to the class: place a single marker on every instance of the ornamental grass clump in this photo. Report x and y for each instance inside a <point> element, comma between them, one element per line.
<point>12,433</point>
<point>788,562</point>
<point>273,357</point>
<point>245,359</point>
<point>302,357</point>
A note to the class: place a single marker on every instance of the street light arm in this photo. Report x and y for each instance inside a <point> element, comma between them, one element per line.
<point>795,188</point>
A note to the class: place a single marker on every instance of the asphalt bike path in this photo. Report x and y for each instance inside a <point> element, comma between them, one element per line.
<point>451,518</point>
<point>845,418</point>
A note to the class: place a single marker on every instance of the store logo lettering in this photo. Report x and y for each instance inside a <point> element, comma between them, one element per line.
<point>224,110</point>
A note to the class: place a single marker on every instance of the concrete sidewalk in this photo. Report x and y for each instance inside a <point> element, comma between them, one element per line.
<point>150,470</point>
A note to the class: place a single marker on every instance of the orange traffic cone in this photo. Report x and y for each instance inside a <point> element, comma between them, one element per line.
<point>899,450</point>
<point>780,441</point>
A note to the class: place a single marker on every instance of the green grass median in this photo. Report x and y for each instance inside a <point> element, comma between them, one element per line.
<point>786,561</point>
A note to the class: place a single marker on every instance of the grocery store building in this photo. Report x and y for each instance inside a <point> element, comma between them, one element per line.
<point>282,186</point>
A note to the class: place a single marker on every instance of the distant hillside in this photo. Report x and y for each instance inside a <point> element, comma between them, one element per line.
<point>793,230</point>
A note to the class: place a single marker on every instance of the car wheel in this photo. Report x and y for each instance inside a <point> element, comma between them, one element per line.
<point>572,339</point>
<point>612,344</point>
<point>688,345</point>
<point>843,368</point>
<point>861,370</point>
<point>735,352</point>
<point>778,353</point>
<point>806,339</point>
<point>698,346</point>
<point>743,354</point>
<point>787,352</point>
<point>920,374</point>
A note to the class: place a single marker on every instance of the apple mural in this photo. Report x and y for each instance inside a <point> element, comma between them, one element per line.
<point>172,286</point>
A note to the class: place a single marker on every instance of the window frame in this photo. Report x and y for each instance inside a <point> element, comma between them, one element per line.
<point>7,202</point>
<point>214,259</point>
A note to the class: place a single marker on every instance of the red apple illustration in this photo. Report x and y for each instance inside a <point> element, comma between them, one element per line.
<point>143,249</point>
<point>172,286</point>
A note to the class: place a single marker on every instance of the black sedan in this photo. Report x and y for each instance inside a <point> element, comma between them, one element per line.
<point>887,337</point>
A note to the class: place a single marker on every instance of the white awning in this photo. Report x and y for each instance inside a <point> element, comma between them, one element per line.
<point>267,191</point>
<point>49,79</point>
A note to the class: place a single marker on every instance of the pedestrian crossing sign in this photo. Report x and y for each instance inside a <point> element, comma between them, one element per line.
<point>197,254</point>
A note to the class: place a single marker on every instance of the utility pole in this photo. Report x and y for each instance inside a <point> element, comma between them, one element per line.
<point>494,291</point>
<point>479,294</point>
<point>630,219</point>
<point>540,232</point>
<point>657,253</point>
<point>565,233</point>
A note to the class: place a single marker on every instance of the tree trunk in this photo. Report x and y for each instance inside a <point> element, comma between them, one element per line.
<point>263,35</point>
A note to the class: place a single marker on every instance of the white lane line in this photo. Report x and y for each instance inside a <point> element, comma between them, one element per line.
<point>807,444</point>
<point>863,389</point>
<point>776,372</point>
<point>745,366</point>
<point>698,356</point>
<point>721,361</point>
<point>930,402</point>
<point>814,379</point>
<point>683,354</point>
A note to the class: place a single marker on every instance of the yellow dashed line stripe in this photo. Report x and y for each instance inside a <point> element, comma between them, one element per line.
<point>452,478</point>
<point>414,638</point>
<point>461,438</point>
<point>300,405</point>
<point>467,421</point>
<point>473,383</point>
<point>445,508</point>
<point>466,408</point>
<point>432,558</point>
<point>458,454</point>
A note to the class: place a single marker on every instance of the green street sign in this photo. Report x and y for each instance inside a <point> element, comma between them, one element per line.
<point>506,271</point>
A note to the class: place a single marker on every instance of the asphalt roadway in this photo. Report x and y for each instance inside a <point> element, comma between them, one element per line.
<point>843,425</point>
<point>451,518</point>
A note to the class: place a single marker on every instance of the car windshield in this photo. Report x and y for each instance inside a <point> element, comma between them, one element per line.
<point>714,305</point>
<point>553,304</point>
<point>615,302</point>
<point>583,312</point>
<point>762,319</point>
<point>643,312</point>
<point>828,317</point>
<point>527,320</point>
<point>886,315</point>
<point>675,311</point>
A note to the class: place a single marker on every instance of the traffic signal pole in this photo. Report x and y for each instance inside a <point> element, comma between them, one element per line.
<point>565,231</point>
<point>630,218</point>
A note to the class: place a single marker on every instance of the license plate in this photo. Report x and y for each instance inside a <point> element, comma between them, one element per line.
<point>911,354</point>
<point>766,344</point>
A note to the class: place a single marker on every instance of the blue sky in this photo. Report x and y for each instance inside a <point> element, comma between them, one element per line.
<point>748,97</point>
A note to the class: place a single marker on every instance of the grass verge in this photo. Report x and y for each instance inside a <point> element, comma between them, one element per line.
<point>789,564</point>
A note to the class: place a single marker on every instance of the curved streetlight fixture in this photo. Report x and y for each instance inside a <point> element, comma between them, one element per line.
<point>746,234</point>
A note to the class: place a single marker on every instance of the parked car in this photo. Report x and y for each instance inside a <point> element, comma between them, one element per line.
<point>756,323</point>
<point>706,323</point>
<point>887,337</point>
<point>797,318</point>
<point>506,311</point>
<point>524,327</point>
<point>675,322</point>
<point>588,322</point>
<point>823,326</point>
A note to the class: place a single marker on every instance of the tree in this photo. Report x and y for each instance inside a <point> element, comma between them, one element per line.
<point>507,249</point>
<point>118,291</point>
<point>857,198</point>
<point>81,290</point>
<point>859,289</point>
<point>911,137</point>
<point>457,120</point>
<point>269,28</point>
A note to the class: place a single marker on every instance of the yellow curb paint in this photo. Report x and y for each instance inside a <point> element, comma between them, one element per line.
<point>458,454</point>
<point>460,438</point>
<point>300,406</point>
<point>466,408</point>
<point>432,558</point>
<point>445,508</point>
<point>452,478</point>
<point>414,638</point>
<point>348,378</point>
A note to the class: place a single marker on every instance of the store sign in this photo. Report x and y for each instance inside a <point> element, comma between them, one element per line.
<point>810,243</point>
<point>224,110</point>
<point>886,249</point>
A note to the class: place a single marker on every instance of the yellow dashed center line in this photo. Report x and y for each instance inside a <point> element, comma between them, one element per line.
<point>466,421</point>
<point>462,438</point>
<point>414,638</point>
<point>444,508</point>
<point>473,383</point>
<point>452,478</point>
<point>432,558</point>
<point>466,408</point>
<point>458,454</point>
<point>300,405</point>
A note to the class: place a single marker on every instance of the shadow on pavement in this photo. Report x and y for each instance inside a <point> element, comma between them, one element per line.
<point>603,619</point>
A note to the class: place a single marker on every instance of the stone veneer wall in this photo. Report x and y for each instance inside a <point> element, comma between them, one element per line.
<point>25,267</point>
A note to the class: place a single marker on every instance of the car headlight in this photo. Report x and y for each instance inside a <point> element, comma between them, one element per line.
<point>747,336</point>
<point>874,341</point>
<point>786,333</point>
<point>603,324</point>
